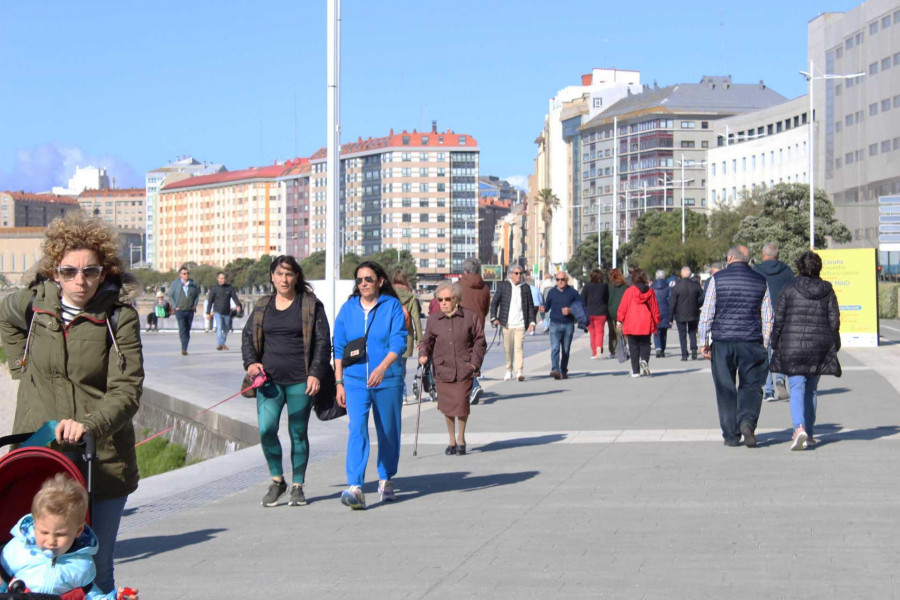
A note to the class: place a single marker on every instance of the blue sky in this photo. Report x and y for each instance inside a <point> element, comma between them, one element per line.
<point>131,85</point>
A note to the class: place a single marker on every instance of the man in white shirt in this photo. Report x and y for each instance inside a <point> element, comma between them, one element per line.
<point>512,308</point>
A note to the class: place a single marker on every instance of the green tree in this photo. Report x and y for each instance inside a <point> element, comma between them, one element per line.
<point>656,242</point>
<point>585,258</point>
<point>257,274</point>
<point>725,220</point>
<point>784,220</point>
<point>314,265</point>
<point>392,259</point>
<point>548,202</point>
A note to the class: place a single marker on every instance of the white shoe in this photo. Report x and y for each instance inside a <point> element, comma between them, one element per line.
<point>508,376</point>
<point>799,439</point>
<point>645,368</point>
<point>520,376</point>
<point>635,374</point>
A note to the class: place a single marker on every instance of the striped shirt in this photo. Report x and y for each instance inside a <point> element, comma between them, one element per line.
<point>68,312</point>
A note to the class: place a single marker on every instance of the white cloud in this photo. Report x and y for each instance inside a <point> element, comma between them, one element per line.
<point>41,167</point>
<point>518,181</point>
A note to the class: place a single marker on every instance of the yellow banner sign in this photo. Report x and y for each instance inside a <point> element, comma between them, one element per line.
<point>852,272</point>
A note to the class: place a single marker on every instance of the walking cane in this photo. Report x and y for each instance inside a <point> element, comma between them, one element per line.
<point>421,376</point>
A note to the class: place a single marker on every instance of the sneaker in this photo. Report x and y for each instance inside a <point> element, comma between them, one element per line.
<point>276,491</point>
<point>781,390</point>
<point>769,398</point>
<point>645,368</point>
<point>297,497</point>
<point>508,376</point>
<point>475,398</point>
<point>635,374</point>
<point>799,439</point>
<point>595,356</point>
<point>354,498</point>
<point>386,489</point>
<point>520,376</point>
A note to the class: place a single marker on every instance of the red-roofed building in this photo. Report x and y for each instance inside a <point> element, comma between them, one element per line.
<point>414,191</point>
<point>23,209</point>
<point>217,218</point>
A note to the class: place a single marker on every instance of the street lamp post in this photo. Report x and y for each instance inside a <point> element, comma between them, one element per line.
<point>810,77</point>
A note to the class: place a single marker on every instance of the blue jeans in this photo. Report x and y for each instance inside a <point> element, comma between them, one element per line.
<point>560,342</point>
<point>185,318</point>
<point>106,518</point>
<point>223,326</point>
<point>771,378</point>
<point>386,404</point>
<point>738,402</point>
<point>803,401</point>
<point>271,399</point>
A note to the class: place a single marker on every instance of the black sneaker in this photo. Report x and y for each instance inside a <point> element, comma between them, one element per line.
<point>297,498</point>
<point>276,491</point>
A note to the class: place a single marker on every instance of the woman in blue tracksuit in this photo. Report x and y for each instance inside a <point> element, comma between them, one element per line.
<point>375,382</point>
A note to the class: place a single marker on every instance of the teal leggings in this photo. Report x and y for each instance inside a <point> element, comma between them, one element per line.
<point>270,401</point>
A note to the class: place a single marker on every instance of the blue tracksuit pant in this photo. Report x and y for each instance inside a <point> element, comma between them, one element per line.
<point>386,405</point>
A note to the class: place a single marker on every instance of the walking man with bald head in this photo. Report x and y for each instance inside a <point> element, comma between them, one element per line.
<point>735,325</point>
<point>684,310</point>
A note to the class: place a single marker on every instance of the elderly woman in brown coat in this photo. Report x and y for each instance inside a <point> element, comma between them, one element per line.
<point>454,338</point>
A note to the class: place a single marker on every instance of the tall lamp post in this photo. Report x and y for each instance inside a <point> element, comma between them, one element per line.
<point>810,77</point>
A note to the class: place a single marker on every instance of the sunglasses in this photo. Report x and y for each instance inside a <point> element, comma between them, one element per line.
<point>561,279</point>
<point>449,299</point>
<point>90,273</point>
<point>367,279</point>
<point>516,273</point>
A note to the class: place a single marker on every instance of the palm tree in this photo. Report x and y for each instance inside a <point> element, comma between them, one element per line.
<point>547,201</point>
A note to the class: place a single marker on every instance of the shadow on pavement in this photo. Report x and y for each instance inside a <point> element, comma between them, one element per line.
<point>145,547</point>
<point>519,442</point>
<point>829,433</point>
<point>837,390</point>
<point>491,397</point>
<point>409,488</point>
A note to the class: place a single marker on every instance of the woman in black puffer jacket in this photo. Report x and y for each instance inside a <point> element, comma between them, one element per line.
<point>805,342</point>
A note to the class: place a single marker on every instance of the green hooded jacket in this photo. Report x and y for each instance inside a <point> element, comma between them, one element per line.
<point>76,372</point>
<point>408,300</point>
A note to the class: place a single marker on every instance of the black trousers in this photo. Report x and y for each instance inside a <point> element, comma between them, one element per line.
<point>639,348</point>
<point>686,328</point>
<point>152,320</point>
<point>739,373</point>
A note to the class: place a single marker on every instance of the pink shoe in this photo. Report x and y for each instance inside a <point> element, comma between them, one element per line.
<point>799,439</point>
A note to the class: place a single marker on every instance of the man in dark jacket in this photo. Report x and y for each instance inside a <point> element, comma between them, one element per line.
<point>737,312</point>
<point>477,298</point>
<point>513,310</point>
<point>684,309</point>
<point>777,276</point>
<point>183,293</point>
<point>662,289</point>
<point>558,303</point>
<point>219,301</point>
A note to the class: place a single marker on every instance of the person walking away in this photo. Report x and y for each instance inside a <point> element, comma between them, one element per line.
<point>183,294</point>
<point>562,324</point>
<point>219,300</point>
<point>737,316</point>
<point>454,340</point>
<point>662,289</point>
<point>476,297</point>
<point>637,319</point>
<point>372,313</point>
<point>536,298</point>
<point>806,338</point>
<point>777,275</point>
<point>617,287</point>
<point>513,311</point>
<point>161,310</point>
<point>73,342</point>
<point>684,310</point>
<point>595,295</point>
<point>413,317</point>
<point>287,336</point>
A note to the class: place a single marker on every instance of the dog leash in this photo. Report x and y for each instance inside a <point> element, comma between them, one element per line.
<point>493,341</point>
<point>257,382</point>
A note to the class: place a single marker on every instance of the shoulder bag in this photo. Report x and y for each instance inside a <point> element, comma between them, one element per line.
<point>355,350</point>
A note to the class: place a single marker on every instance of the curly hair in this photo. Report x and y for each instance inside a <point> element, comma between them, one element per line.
<point>78,231</point>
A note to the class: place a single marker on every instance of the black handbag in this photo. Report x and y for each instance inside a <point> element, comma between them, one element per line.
<point>324,402</point>
<point>355,350</point>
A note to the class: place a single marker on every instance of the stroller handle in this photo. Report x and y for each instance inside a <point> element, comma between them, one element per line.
<point>90,447</point>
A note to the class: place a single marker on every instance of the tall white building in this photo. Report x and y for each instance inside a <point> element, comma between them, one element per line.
<point>758,149</point>
<point>599,89</point>
<point>85,178</point>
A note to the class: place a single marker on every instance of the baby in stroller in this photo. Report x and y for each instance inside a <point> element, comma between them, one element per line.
<point>55,535</point>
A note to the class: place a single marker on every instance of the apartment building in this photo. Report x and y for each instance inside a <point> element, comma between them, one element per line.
<point>178,169</point>
<point>857,134</point>
<point>215,219</point>
<point>758,149</point>
<point>649,150</point>
<point>414,191</point>
<point>495,199</point>
<point>24,209</point>
<point>295,184</point>
<point>124,208</point>
<point>20,250</point>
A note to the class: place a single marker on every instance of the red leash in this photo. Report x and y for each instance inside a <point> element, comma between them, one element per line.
<point>257,382</point>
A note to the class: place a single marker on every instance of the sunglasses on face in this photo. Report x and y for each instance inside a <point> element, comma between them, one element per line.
<point>561,279</point>
<point>367,279</point>
<point>69,273</point>
<point>516,273</point>
<point>449,299</point>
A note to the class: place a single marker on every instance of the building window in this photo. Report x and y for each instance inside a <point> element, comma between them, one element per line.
<point>848,43</point>
<point>873,68</point>
<point>838,53</point>
<point>886,22</point>
<point>704,144</point>
<point>885,63</point>
<point>873,28</point>
<point>873,149</point>
<point>704,124</point>
<point>873,109</point>
<point>885,146</point>
<point>688,124</point>
<point>687,143</point>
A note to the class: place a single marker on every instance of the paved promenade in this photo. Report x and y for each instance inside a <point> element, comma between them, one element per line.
<point>600,486</point>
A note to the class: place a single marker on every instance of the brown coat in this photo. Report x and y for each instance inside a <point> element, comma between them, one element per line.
<point>455,343</point>
<point>475,296</point>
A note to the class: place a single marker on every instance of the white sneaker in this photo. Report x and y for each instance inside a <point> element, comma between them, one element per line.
<point>799,439</point>
<point>645,368</point>
<point>635,374</point>
<point>520,376</point>
<point>508,376</point>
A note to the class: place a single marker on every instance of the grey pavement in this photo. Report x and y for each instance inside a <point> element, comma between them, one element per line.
<point>599,486</point>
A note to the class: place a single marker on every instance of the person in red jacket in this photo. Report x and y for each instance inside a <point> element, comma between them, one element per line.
<point>637,319</point>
